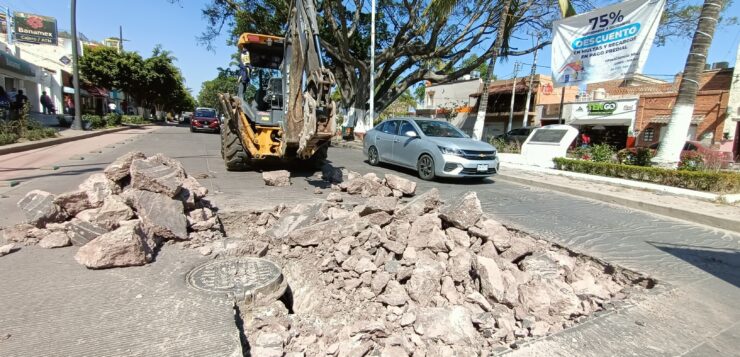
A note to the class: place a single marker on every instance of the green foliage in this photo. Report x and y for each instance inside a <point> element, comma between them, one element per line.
<point>209,91</point>
<point>420,92</point>
<point>718,182</point>
<point>134,119</point>
<point>691,161</point>
<point>503,146</point>
<point>112,119</point>
<point>8,138</point>
<point>40,133</point>
<point>635,156</point>
<point>602,153</point>
<point>96,121</point>
<point>482,67</point>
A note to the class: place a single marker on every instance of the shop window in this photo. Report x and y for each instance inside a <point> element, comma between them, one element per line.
<point>648,134</point>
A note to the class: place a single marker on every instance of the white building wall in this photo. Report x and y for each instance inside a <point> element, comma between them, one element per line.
<point>733,105</point>
<point>451,95</point>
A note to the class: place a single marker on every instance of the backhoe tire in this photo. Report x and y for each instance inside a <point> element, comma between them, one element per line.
<point>235,156</point>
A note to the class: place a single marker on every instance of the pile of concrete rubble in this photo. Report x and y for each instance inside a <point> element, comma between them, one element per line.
<point>120,217</point>
<point>372,274</point>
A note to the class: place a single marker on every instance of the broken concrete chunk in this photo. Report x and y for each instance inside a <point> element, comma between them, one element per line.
<point>452,326</point>
<point>98,187</point>
<point>113,211</point>
<point>381,204</point>
<point>126,246</point>
<point>407,187</point>
<point>329,173</point>
<point>73,202</point>
<point>17,233</point>
<point>119,169</point>
<point>419,205</point>
<point>394,294</point>
<point>7,249</point>
<point>151,175</point>
<point>202,219</point>
<point>39,208</point>
<point>334,197</point>
<point>161,216</point>
<point>279,178</point>
<point>55,240</point>
<point>81,232</point>
<point>462,212</point>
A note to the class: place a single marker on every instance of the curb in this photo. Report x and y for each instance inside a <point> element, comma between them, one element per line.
<point>673,212</point>
<point>55,141</point>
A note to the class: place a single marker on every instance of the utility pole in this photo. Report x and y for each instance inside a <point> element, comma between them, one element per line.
<point>513,96</point>
<point>77,122</point>
<point>120,39</point>
<point>531,82</point>
<point>372,66</point>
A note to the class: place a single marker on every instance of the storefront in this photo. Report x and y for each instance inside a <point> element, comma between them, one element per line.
<point>18,74</point>
<point>609,122</point>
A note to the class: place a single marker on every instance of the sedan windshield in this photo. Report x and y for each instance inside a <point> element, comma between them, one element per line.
<point>440,129</point>
<point>205,113</point>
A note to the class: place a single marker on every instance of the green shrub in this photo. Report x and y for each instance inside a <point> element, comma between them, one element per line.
<point>719,182</point>
<point>506,147</point>
<point>63,122</point>
<point>113,119</point>
<point>40,133</point>
<point>8,138</point>
<point>602,153</point>
<point>134,119</point>
<point>691,161</point>
<point>96,121</point>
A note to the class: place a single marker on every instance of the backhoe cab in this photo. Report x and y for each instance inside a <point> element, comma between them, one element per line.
<point>283,109</point>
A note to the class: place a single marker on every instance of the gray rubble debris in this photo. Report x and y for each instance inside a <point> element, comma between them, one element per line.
<point>39,208</point>
<point>279,178</point>
<point>126,246</point>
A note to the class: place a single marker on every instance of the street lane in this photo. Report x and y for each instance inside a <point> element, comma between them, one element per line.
<point>688,260</point>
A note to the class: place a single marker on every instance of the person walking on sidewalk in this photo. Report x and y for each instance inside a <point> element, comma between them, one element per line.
<point>46,104</point>
<point>585,140</point>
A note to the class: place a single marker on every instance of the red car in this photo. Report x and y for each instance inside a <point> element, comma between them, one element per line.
<point>711,156</point>
<point>205,119</point>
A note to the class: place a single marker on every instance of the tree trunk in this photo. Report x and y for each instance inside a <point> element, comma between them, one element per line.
<point>480,119</point>
<point>669,152</point>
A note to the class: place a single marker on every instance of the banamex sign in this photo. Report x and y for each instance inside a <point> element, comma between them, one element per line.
<point>604,44</point>
<point>37,29</point>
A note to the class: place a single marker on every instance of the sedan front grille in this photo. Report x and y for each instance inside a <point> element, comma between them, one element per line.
<point>479,155</point>
<point>474,171</point>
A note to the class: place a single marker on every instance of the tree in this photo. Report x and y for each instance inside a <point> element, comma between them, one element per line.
<point>152,82</point>
<point>208,95</point>
<point>669,152</point>
<point>414,43</point>
<point>413,37</point>
<point>482,68</point>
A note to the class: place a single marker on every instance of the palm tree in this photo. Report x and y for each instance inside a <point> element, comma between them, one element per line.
<point>669,152</point>
<point>480,119</point>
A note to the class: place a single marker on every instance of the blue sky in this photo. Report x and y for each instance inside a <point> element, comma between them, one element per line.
<point>147,23</point>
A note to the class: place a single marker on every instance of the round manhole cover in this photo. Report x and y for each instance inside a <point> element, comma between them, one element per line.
<point>243,275</point>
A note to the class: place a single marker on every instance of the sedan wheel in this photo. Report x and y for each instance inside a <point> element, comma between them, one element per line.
<point>425,167</point>
<point>372,156</point>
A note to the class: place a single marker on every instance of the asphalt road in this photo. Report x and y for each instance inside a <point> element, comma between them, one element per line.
<point>693,311</point>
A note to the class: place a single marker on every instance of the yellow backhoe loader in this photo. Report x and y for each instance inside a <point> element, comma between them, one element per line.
<point>283,108</point>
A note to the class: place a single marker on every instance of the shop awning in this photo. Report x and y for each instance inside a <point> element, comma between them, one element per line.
<point>69,90</point>
<point>96,91</point>
<point>664,119</point>
<point>612,122</point>
<point>17,65</point>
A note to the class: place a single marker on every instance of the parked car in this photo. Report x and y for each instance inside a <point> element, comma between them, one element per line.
<point>434,148</point>
<point>518,135</point>
<point>723,158</point>
<point>186,116</point>
<point>205,119</point>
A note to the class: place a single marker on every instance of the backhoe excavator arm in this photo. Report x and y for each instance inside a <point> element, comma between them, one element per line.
<point>310,112</point>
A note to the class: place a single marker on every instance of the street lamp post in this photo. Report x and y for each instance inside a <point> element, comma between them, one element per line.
<point>77,122</point>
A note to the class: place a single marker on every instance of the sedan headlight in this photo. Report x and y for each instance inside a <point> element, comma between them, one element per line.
<point>450,151</point>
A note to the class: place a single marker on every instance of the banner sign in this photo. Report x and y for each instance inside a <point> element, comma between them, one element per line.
<point>35,28</point>
<point>604,44</point>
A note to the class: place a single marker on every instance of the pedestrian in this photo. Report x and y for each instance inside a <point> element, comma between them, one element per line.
<point>46,104</point>
<point>69,105</point>
<point>4,104</point>
<point>20,100</point>
<point>585,140</point>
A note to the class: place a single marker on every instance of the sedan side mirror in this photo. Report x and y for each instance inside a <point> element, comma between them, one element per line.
<point>411,134</point>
